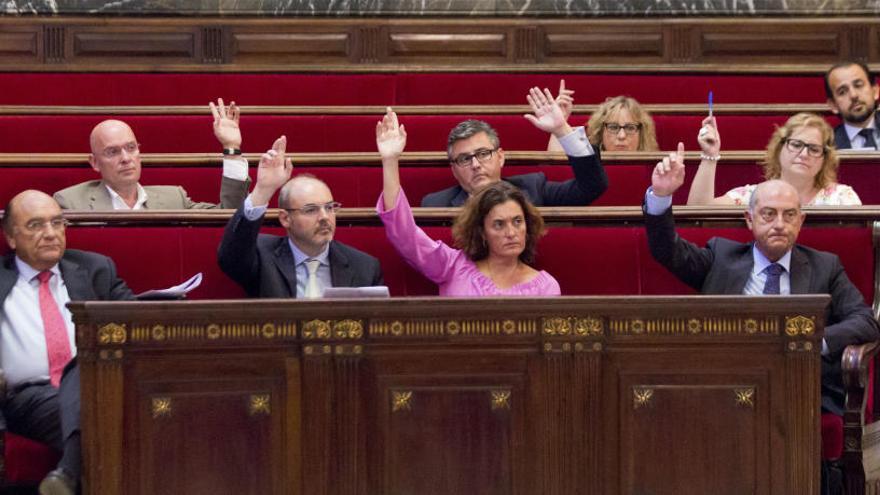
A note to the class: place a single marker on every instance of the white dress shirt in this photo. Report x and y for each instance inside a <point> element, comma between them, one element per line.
<point>23,354</point>
<point>575,143</point>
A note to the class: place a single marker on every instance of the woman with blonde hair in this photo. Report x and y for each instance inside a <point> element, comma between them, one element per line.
<point>619,124</point>
<point>801,152</point>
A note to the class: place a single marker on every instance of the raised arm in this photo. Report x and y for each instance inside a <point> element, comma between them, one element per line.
<point>703,188</point>
<point>668,174</point>
<point>565,100</point>
<point>226,128</point>
<point>273,172</point>
<point>547,114</point>
<point>390,141</point>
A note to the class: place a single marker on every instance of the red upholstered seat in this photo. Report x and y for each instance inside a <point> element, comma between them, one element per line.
<point>27,461</point>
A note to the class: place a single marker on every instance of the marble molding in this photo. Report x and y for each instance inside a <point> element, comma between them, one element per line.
<point>417,8</point>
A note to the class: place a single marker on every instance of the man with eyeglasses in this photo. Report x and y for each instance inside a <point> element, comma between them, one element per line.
<point>852,94</point>
<point>772,264</point>
<point>39,397</point>
<point>476,158</point>
<point>307,260</point>
<point>115,154</point>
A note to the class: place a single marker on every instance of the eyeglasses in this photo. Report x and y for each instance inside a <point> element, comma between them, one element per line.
<point>482,156</point>
<point>768,215</point>
<point>630,127</point>
<point>796,146</point>
<point>311,210</point>
<point>36,225</point>
<point>115,151</point>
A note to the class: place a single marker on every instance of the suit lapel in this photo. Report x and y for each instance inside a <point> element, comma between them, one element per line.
<point>841,137</point>
<point>99,198</point>
<point>76,280</point>
<point>340,271</point>
<point>739,271</point>
<point>285,264</point>
<point>8,276</point>
<point>801,272</point>
<point>459,198</point>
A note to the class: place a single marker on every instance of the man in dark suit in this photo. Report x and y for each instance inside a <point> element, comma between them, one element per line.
<point>305,262</point>
<point>41,400</point>
<point>772,264</point>
<point>853,94</point>
<point>476,158</point>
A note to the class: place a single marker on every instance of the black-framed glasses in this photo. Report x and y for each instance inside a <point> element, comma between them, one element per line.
<point>38,225</point>
<point>482,156</point>
<point>115,151</point>
<point>630,127</point>
<point>796,146</point>
<point>313,209</point>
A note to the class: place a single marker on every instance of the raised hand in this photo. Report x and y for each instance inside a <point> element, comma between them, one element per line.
<point>390,136</point>
<point>273,171</point>
<point>709,138</point>
<point>547,115</point>
<point>226,128</point>
<point>565,100</point>
<point>668,175</point>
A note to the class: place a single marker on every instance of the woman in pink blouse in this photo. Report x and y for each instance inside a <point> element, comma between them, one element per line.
<point>496,231</point>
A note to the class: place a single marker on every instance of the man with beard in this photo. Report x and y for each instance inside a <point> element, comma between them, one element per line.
<point>852,94</point>
<point>308,260</point>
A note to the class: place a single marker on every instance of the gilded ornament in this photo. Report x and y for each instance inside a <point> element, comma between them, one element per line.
<point>213,331</point>
<point>112,333</point>
<point>799,325</point>
<point>597,346</point>
<point>548,346</point>
<point>808,346</point>
<point>308,350</point>
<point>397,328</point>
<point>268,331</point>
<point>500,399</point>
<point>508,327</point>
<point>327,349</point>
<point>557,326</point>
<point>316,329</point>
<point>566,346</point>
<point>588,326</point>
<point>453,328</point>
<point>578,347</point>
<point>348,329</point>
<point>358,349</point>
<point>642,397</point>
<point>638,326</point>
<point>792,346</point>
<point>745,397</point>
<point>161,406</point>
<point>750,325</point>
<point>159,332</point>
<point>401,400</point>
<point>694,326</point>
<point>259,404</point>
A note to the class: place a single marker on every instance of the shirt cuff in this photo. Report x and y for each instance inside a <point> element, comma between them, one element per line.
<point>235,168</point>
<point>576,143</point>
<point>252,212</point>
<point>824,347</point>
<point>656,205</point>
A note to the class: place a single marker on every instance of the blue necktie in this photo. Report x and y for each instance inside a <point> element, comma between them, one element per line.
<point>771,286</point>
<point>868,134</point>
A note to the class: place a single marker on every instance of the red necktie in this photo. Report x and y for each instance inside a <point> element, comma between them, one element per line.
<point>57,341</point>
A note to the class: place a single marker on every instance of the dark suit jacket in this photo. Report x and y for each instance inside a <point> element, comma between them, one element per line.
<point>588,184</point>
<point>88,276</point>
<point>263,264</point>
<point>841,139</point>
<point>723,267</point>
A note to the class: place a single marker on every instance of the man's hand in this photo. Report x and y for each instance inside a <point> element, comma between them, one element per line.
<point>548,116</point>
<point>565,100</point>
<point>668,175</point>
<point>273,172</point>
<point>390,136</point>
<point>226,128</point>
<point>708,137</point>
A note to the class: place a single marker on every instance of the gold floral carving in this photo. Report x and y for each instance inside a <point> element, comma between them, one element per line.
<point>401,400</point>
<point>508,327</point>
<point>268,331</point>
<point>709,326</point>
<point>750,325</point>
<point>213,331</point>
<point>799,325</point>
<point>453,328</point>
<point>557,326</point>
<point>259,404</point>
<point>745,397</point>
<point>694,326</point>
<point>588,326</point>
<point>159,332</point>
<point>500,399</point>
<point>316,329</point>
<point>642,397</point>
<point>638,326</point>
<point>112,333</point>
<point>161,406</point>
<point>348,329</point>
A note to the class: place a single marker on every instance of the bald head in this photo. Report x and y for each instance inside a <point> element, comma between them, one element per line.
<point>116,155</point>
<point>311,229</point>
<point>303,185</point>
<point>775,218</point>
<point>104,130</point>
<point>34,229</point>
<point>774,187</point>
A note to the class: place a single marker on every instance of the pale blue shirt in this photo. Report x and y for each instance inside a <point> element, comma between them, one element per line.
<point>857,141</point>
<point>575,143</point>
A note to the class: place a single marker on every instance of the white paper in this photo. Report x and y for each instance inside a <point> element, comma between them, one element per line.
<point>356,292</point>
<point>176,292</point>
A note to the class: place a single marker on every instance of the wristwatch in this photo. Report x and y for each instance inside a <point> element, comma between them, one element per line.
<point>231,152</point>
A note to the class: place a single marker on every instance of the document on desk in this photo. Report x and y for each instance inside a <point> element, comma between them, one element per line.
<point>356,292</point>
<point>176,292</point>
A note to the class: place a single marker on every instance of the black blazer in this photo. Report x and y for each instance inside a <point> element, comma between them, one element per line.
<point>723,267</point>
<point>841,139</point>
<point>263,264</point>
<point>589,182</point>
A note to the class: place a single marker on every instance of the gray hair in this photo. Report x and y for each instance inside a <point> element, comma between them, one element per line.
<point>470,128</point>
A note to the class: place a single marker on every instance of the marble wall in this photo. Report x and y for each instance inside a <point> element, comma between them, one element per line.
<point>417,8</point>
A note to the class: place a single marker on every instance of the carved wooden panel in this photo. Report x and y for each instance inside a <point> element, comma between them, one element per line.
<point>603,45</point>
<point>19,44</point>
<point>794,46</point>
<point>272,46</point>
<point>128,46</point>
<point>463,46</point>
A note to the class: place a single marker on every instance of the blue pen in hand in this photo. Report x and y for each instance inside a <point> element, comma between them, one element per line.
<point>710,103</point>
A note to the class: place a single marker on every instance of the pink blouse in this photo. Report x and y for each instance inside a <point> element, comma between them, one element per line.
<point>449,268</point>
